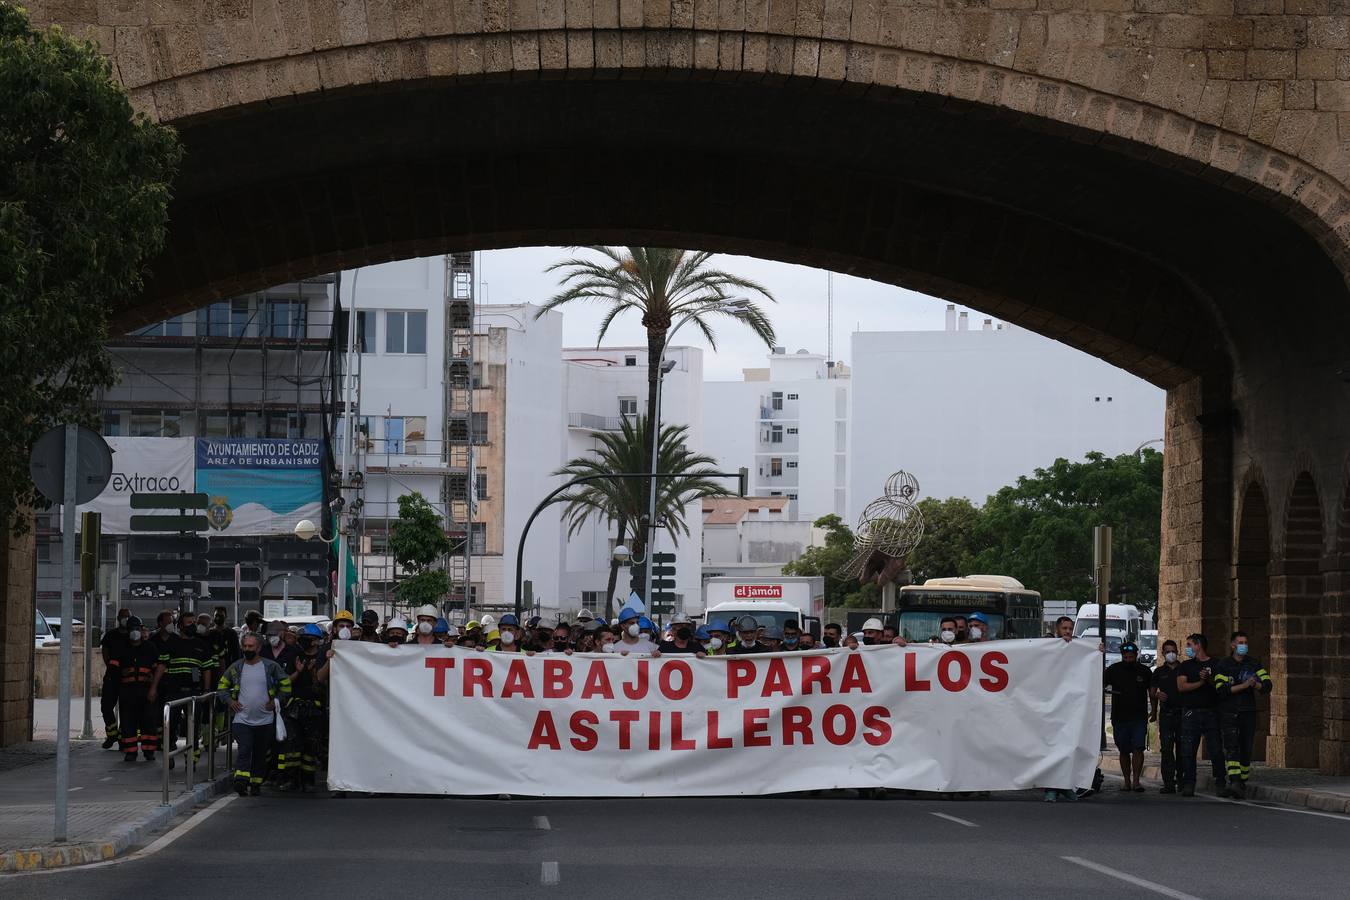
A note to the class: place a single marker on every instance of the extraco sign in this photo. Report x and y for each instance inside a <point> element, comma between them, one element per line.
<point>758,592</point>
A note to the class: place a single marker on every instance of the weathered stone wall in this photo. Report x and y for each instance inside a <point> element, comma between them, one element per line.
<point>17,572</point>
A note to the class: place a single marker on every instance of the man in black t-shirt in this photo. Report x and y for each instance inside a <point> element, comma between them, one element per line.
<point>1167,713</point>
<point>1129,681</point>
<point>681,638</point>
<point>1199,715</point>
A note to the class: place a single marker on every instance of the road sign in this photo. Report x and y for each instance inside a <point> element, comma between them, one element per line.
<point>662,597</point>
<point>663,584</point>
<point>93,464</point>
<point>663,571</point>
<point>169,523</point>
<point>176,500</point>
<point>663,609</point>
<point>660,558</point>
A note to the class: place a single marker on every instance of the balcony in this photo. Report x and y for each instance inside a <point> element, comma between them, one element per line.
<point>589,422</point>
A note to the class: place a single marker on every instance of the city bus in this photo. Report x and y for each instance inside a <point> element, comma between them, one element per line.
<point>1013,611</point>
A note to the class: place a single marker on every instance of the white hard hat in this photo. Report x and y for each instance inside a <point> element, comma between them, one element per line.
<point>429,610</point>
<point>396,623</point>
<point>585,615</point>
<point>487,621</point>
<point>873,624</point>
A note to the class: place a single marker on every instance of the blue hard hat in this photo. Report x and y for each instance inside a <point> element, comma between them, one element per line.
<point>702,633</point>
<point>719,625</point>
<point>977,617</point>
<point>602,621</point>
<point>441,627</point>
<point>508,619</point>
<point>312,630</point>
<point>628,613</point>
<point>644,622</point>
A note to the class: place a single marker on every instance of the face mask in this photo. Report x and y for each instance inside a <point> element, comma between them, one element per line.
<point>1190,652</point>
<point>1170,657</point>
<point>508,638</point>
<point>171,629</point>
<point>344,634</point>
<point>684,634</point>
<point>948,636</point>
<point>789,642</point>
<point>715,643</point>
<point>250,654</point>
<point>1241,649</point>
<point>220,621</point>
<point>274,640</point>
<point>393,640</point>
<point>135,634</point>
<point>633,630</point>
<point>122,622</point>
<point>831,642</point>
<point>977,633</point>
<point>201,629</point>
<point>424,628</point>
<point>748,641</point>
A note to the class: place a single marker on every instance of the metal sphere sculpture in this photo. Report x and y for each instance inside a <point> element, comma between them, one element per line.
<point>888,530</point>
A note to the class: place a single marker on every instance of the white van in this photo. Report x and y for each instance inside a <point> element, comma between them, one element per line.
<point>1123,620</point>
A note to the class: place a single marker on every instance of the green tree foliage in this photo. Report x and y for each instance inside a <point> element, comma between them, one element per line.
<point>84,192</point>
<point>827,559</point>
<point>418,543</point>
<point>948,547</point>
<point>1039,530</point>
<point>623,501</point>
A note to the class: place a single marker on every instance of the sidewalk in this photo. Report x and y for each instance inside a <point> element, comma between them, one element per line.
<point>114,805</point>
<point>1294,787</point>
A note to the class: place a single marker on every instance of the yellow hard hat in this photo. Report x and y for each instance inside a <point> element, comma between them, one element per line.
<point>494,635</point>
<point>343,615</point>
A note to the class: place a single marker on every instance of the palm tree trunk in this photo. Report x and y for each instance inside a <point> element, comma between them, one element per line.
<point>610,611</point>
<point>656,347</point>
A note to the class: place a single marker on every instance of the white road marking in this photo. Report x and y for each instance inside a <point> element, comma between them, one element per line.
<point>148,850</point>
<point>109,778</point>
<point>965,822</point>
<point>541,822</point>
<point>548,873</point>
<point>1132,879</point>
<point>73,790</point>
<point>1275,807</point>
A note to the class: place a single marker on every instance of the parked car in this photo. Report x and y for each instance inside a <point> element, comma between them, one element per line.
<point>43,636</point>
<point>54,622</point>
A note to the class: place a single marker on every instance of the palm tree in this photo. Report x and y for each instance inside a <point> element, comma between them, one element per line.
<point>662,285</point>
<point>623,501</point>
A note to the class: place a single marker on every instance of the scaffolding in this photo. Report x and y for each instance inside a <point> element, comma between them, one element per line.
<point>458,492</point>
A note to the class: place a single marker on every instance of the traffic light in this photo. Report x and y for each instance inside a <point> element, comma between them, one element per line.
<point>91,531</point>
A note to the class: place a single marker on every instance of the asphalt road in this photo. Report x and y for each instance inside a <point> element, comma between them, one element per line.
<point>1012,846</point>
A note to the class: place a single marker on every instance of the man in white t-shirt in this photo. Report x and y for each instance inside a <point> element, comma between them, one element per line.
<point>632,641</point>
<point>253,687</point>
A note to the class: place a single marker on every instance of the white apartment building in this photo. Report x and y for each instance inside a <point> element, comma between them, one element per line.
<point>751,536</point>
<point>603,386</point>
<point>788,423</point>
<point>967,411</point>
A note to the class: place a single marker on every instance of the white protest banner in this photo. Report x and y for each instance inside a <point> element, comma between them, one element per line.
<point>996,716</point>
<point>141,465</point>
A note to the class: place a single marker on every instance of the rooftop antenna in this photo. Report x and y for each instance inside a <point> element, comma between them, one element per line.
<point>829,328</point>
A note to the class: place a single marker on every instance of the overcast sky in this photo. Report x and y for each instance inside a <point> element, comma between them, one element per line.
<point>799,316</point>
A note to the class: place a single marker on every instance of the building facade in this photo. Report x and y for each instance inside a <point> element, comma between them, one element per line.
<point>751,536</point>
<point>968,410</point>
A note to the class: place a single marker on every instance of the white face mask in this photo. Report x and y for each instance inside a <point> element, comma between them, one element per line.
<point>172,629</point>
<point>748,641</point>
<point>715,643</point>
<point>274,640</point>
<point>1170,657</point>
<point>424,628</point>
<point>633,630</point>
<point>201,629</point>
<point>948,636</point>
<point>977,632</point>
<point>344,634</point>
<point>508,638</point>
<point>135,634</point>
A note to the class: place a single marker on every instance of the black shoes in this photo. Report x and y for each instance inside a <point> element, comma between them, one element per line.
<point>109,743</point>
<point>241,788</point>
<point>1168,789</point>
<point>129,757</point>
<point>1188,790</point>
<point>254,790</point>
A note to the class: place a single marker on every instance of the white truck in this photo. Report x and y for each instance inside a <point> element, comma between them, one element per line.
<point>771,600</point>
<point>1124,622</point>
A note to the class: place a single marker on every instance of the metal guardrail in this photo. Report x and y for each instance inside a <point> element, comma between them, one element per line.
<point>213,740</point>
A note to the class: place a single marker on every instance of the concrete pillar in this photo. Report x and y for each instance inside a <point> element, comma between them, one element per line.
<point>17,580</point>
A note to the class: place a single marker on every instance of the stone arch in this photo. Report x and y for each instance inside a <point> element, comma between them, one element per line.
<point>1251,584</point>
<point>1297,631</point>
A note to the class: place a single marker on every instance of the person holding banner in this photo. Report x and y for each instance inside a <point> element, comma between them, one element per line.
<point>396,632</point>
<point>633,640</point>
<point>747,637</point>
<point>681,637</point>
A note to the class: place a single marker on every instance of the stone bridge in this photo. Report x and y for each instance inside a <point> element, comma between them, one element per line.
<point>1162,183</point>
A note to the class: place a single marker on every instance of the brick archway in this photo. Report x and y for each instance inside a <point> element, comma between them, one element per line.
<point>1297,632</point>
<point>1335,755</point>
<point>1251,588</point>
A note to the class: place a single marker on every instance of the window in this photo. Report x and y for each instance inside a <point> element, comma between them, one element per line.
<point>594,601</point>
<point>792,465</point>
<point>285,425</point>
<point>630,360</point>
<point>168,328</point>
<point>477,375</point>
<point>775,467</point>
<point>792,396</point>
<point>792,496</point>
<point>776,434</point>
<point>479,428</point>
<point>628,406</point>
<point>776,400</point>
<point>365,331</point>
<point>775,493</point>
<point>226,319</point>
<point>478,537</point>
<point>393,434</point>
<point>112,423</point>
<point>215,425</point>
<point>285,319</point>
<point>480,485</point>
<point>405,332</point>
<point>155,423</point>
<point>792,431</point>
<point>362,441</point>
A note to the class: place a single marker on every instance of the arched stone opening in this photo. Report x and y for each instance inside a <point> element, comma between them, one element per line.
<point>1297,633</point>
<point>1251,589</point>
